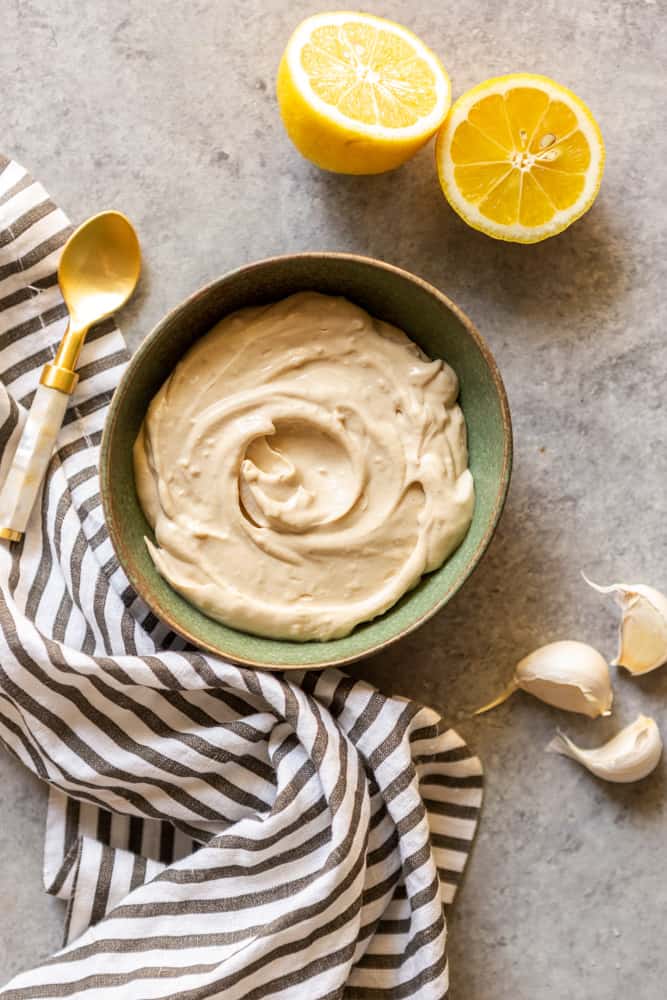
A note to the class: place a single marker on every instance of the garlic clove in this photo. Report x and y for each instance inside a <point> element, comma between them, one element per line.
<point>569,675</point>
<point>642,643</point>
<point>629,756</point>
<point>566,674</point>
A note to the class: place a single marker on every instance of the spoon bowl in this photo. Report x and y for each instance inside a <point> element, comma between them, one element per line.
<point>99,268</point>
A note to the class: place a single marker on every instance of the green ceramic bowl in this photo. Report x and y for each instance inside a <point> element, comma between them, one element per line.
<point>387,292</point>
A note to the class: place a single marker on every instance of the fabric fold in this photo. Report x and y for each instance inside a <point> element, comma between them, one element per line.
<point>216,831</point>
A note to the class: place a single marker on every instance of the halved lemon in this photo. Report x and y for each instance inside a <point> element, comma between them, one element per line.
<point>359,94</point>
<point>520,157</point>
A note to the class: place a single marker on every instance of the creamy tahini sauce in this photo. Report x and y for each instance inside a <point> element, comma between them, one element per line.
<point>302,467</point>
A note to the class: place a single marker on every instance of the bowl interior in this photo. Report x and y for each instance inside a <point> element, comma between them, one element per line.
<point>386,292</point>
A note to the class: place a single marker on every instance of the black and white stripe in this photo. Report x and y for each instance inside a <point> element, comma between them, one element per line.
<point>217,831</point>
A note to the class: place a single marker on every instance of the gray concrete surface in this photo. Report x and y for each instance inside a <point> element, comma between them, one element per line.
<point>166,111</point>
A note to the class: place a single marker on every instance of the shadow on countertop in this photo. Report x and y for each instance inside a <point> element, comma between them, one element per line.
<point>559,278</point>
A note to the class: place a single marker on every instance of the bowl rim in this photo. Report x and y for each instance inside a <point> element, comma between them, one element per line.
<point>144,348</point>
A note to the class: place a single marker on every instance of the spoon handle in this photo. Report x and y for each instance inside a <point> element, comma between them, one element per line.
<point>32,456</point>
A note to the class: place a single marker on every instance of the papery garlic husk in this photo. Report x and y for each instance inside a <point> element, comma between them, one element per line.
<point>642,639</point>
<point>566,674</point>
<point>629,756</point>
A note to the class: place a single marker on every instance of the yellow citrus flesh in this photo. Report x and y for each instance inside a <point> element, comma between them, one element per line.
<point>359,94</point>
<point>520,157</point>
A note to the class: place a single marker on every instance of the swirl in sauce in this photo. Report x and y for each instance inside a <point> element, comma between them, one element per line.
<point>302,467</point>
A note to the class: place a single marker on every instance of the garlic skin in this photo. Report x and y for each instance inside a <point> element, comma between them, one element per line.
<point>629,756</point>
<point>642,644</point>
<point>566,674</point>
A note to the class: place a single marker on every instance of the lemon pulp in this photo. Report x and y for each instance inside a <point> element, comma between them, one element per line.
<point>520,157</point>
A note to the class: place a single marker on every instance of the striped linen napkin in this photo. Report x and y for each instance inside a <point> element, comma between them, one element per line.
<point>217,831</point>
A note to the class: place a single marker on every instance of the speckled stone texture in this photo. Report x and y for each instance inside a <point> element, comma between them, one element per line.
<point>166,111</point>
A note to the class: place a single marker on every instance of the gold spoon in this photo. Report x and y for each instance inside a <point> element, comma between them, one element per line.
<point>99,269</point>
